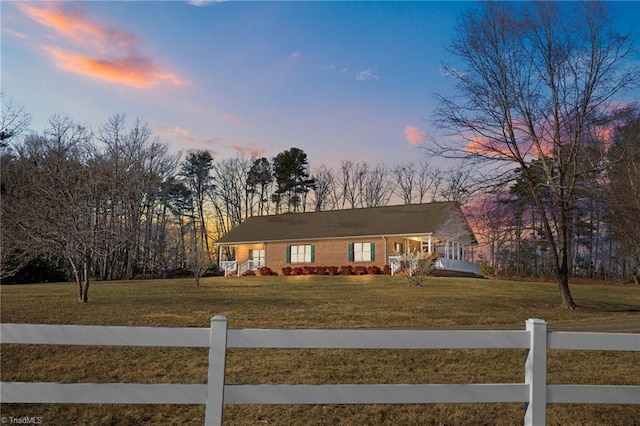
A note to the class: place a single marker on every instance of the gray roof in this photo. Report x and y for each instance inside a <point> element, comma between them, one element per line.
<point>410,219</point>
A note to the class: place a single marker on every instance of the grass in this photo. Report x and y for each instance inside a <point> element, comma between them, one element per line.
<point>320,302</point>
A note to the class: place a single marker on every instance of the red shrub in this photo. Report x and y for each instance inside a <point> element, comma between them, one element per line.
<point>266,271</point>
<point>346,270</point>
<point>373,269</point>
<point>322,270</point>
<point>386,270</point>
<point>286,271</point>
<point>333,270</point>
<point>296,271</point>
<point>308,270</point>
<point>360,270</point>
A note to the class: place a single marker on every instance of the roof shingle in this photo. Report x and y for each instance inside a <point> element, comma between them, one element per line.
<point>410,219</point>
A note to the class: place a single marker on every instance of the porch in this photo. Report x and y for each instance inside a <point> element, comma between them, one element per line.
<point>455,258</point>
<point>231,267</point>
<point>444,267</point>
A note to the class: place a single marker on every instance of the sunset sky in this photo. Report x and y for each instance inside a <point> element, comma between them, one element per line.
<point>341,81</point>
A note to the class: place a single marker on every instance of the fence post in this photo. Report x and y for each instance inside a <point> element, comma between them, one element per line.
<point>535,371</point>
<point>215,377</point>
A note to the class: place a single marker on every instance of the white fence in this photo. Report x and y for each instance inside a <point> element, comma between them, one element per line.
<point>534,392</point>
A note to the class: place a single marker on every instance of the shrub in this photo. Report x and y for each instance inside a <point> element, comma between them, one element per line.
<point>386,270</point>
<point>38,270</point>
<point>373,269</point>
<point>296,271</point>
<point>333,270</point>
<point>213,271</point>
<point>308,270</point>
<point>360,270</point>
<point>346,270</point>
<point>286,271</point>
<point>265,271</point>
<point>322,270</point>
<point>249,273</point>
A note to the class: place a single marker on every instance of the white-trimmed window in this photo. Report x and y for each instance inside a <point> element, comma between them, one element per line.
<point>257,256</point>
<point>303,253</point>
<point>361,252</point>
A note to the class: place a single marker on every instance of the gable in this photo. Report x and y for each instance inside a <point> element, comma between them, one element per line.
<point>410,219</point>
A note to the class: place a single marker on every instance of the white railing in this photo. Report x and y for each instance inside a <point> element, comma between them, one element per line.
<point>395,263</point>
<point>457,265</point>
<point>232,266</point>
<point>228,266</point>
<point>534,392</point>
<point>403,262</point>
<point>244,267</point>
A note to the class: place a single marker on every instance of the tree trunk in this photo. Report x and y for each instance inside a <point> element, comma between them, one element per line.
<point>562,274</point>
<point>83,285</point>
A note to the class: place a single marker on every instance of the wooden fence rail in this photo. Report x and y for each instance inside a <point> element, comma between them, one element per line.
<point>534,391</point>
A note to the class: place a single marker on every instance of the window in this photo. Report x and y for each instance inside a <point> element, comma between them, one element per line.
<point>301,253</point>
<point>257,256</point>
<point>398,248</point>
<point>361,252</point>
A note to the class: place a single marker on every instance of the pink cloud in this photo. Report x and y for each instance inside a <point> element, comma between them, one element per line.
<point>414,135</point>
<point>75,25</point>
<point>135,71</point>
<point>15,33</point>
<point>252,152</point>
<point>185,136</point>
<point>295,55</point>
<point>98,50</point>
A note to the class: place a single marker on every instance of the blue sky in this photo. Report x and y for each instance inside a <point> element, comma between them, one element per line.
<point>340,80</point>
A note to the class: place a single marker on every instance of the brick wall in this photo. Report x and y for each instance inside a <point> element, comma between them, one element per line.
<point>327,253</point>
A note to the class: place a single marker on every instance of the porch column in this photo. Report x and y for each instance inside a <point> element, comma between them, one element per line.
<point>430,244</point>
<point>220,256</point>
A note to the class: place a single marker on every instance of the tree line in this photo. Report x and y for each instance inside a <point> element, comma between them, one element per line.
<point>118,204</point>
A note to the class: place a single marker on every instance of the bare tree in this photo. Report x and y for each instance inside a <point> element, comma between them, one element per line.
<point>492,219</point>
<point>352,180</point>
<point>405,176</point>
<point>427,182</point>
<point>14,120</point>
<point>51,204</point>
<point>230,194</point>
<point>622,194</point>
<point>324,190</point>
<point>195,172</point>
<point>378,187</point>
<point>534,78</point>
<point>457,185</point>
<point>198,262</point>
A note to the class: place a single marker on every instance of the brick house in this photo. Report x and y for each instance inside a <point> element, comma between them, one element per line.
<point>359,237</point>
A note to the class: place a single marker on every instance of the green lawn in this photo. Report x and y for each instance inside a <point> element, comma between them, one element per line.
<point>321,302</point>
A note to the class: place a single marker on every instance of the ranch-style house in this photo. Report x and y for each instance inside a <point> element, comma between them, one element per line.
<point>358,237</point>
